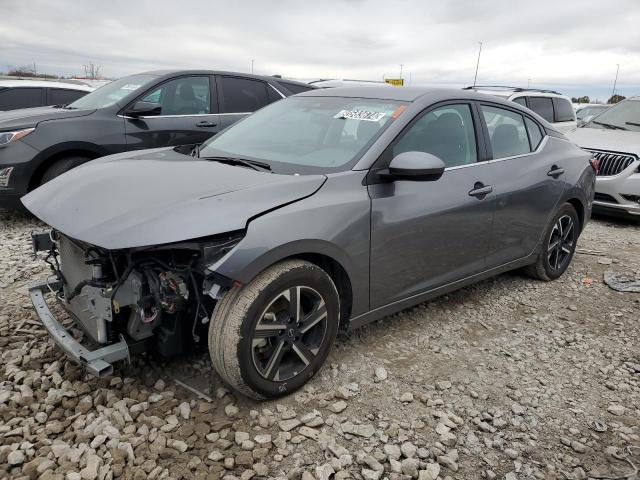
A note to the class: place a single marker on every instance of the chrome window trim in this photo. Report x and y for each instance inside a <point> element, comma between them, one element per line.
<point>496,160</point>
<point>277,91</point>
<point>183,116</point>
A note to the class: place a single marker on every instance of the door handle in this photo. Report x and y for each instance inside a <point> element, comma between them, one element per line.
<point>555,171</point>
<point>480,190</point>
<point>205,124</point>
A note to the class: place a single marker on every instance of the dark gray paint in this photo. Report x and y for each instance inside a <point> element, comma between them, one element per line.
<point>160,196</point>
<point>399,243</point>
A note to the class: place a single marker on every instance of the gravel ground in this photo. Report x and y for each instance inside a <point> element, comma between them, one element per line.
<point>511,378</point>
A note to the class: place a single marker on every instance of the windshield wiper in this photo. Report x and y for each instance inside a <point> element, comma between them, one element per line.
<point>609,125</point>
<point>260,166</point>
<point>633,123</point>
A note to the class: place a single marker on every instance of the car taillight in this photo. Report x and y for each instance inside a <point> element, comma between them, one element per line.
<point>595,164</point>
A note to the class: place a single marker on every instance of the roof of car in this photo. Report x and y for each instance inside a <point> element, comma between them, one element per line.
<point>403,94</point>
<point>162,73</point>
<point>44,84</point>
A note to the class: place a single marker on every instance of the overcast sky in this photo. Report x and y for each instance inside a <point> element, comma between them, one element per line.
<point>570,45</point>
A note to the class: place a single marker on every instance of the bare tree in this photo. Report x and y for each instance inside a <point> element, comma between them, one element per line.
<point>92,71</point>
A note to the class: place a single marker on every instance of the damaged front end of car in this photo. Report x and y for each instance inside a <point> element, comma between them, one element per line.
<point>155,298</point>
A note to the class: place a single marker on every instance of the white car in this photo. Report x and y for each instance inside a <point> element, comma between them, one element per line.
<point>614,139</point>
<point>554,107</point>
<point>15,94</point>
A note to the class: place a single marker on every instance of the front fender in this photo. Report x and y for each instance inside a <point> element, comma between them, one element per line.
<point>334,222</point>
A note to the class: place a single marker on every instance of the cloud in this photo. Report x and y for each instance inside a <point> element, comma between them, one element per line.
<point>575,43</point>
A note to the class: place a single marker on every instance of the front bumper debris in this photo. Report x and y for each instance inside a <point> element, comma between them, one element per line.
<point>97,362</point>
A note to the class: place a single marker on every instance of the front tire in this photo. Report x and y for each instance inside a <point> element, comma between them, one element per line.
<point>61,166</point>
<point>269,337</point>
<point>558,245</point>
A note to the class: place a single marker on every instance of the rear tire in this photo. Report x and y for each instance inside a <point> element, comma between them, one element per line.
<point>61,166</point>
<point>558,245</point>
<point>269,337</point>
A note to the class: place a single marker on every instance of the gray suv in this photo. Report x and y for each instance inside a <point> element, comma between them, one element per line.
<point>327,210</point>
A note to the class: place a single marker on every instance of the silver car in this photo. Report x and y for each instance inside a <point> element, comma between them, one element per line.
<point>324,211</point>
<point>613,137</point>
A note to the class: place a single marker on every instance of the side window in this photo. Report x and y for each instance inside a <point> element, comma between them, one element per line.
<point>507,132</point>
<point>241,95</point>
<point>535,135</point>
<point>14,98</point>
<point>521,100</point>
<point>446,132</point>
<point>294,88</point>
<point>563,109</point>
<point>182,96</point>
<point>542,106</point>
<point>60,96</point>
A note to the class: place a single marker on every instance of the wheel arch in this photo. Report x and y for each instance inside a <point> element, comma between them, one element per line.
<point>324,254</point>
<point>48,157</point>
<point>580,210</point>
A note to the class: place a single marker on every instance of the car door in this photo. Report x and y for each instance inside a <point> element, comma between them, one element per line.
<point>527,182</point>
<point>241,96</point>
<point>425,234</point>
<point>188,115</point>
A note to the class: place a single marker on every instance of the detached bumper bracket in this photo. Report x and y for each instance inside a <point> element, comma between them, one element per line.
<point>97,362</point>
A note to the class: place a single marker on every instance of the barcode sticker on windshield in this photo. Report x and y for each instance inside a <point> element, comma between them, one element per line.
<point>360,115</point>
<point>130,86</point>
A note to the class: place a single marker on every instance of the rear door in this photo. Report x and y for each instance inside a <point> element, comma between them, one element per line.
<point>189,114</point>
<point>528,182</point>
<point>241,96</point>
<point>425,234</point>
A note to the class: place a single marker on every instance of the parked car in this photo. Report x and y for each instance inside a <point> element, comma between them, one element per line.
<point>15,94</point>
<point>554,107</point>
<point>586,112</point>
<point>152,109</point>
<point>614,138</point>
<point>327,210</point>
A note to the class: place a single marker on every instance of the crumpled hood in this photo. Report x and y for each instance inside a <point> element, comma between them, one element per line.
<point>30,117</point>
<point>160,196</point>
<point>610,140</point>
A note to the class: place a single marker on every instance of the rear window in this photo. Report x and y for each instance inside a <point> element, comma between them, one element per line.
<point>543,106</point>
<point>295,88</point>
<point>564,110</point>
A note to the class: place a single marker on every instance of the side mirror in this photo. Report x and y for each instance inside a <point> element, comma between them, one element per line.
<point>144,109</point>
<point>416,166</point>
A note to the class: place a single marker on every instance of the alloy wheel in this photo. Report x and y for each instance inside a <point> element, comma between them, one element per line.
<point>561,243</point>
<point>289,333</point>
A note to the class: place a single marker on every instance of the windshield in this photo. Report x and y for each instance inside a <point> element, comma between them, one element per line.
<point>621,116</point>
<point>306,134</point>
<point>589,111</point>
<point>113,92</point>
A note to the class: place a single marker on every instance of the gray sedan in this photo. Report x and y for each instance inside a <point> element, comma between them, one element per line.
<point>327,210</point>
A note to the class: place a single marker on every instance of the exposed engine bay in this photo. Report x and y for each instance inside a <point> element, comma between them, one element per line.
<point>150,298</point>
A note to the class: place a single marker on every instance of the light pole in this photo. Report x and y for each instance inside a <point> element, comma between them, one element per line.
<point>477,65</point>
<point>252,60</point>
<point>528,83</point>
<point>613,92</point>
<point>401,65</point>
